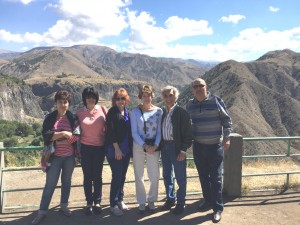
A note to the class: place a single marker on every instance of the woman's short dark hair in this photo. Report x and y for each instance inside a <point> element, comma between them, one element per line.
<point>89,92</point>
<point>62,95</point>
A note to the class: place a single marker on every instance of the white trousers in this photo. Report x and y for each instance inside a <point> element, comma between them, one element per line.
<point>152,163</point>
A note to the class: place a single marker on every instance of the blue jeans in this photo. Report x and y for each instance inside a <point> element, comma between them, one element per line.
<point>92,158</point>
<point>65,165</point>
<point>119,170</point>
<point>170,164</point>
<point>209,162</point>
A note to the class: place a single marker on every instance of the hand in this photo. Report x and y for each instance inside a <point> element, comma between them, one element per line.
<point>118,154</point>
<point>151,149</point>
<point>66,134</point>
<point>181,156</point>
<point>226,144</point>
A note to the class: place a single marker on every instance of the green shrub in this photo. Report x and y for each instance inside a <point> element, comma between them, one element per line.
<point>38,141</point>
<point>10,142</point>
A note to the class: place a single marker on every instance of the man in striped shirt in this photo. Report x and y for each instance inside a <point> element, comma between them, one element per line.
<point>211,126</point>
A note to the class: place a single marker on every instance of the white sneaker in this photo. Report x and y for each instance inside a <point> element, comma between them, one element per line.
<point>122,206</point>
<point>116,211</point>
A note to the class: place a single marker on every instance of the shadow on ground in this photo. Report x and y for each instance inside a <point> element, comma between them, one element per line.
<point>245,210</point>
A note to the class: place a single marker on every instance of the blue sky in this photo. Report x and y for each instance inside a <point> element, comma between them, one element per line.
<point>216,30</point>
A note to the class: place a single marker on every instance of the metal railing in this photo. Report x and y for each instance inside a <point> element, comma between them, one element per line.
<point>30,148</point>
<point>3,170</point>
<point>288,154</point>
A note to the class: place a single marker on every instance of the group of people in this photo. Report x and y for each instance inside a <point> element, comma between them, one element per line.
<point>143,134</point>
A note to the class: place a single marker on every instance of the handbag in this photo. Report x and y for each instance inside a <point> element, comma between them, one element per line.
<point>46,159</point>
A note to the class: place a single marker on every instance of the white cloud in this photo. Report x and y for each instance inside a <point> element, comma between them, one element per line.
<point>87,21</point>
<point>146,35</point>
<point>232,18</point>
<point>83,22</point>
<point>250,43</point>
<point>273,9</point>
<point>25,2</point>
<point>9,37</point>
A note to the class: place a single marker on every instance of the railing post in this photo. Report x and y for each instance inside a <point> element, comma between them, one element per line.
<point>2,166</point>
<point>233,166</point>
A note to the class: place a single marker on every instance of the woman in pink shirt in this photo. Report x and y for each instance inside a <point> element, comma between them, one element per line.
<point>92,124</point>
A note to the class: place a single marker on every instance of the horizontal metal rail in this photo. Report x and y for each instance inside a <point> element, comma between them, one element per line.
<point>270,138</point>
<point>270,174</point>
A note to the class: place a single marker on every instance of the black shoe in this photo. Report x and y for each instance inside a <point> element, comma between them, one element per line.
<point>216,217</point>
<point>204,206</point>
<point>88,210</point>
<point>179,208</point>
<point>167,205</point>
<point>97,209</point>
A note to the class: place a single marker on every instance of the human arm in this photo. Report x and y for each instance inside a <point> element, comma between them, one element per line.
<point>118,152</point>
<point>134,122</point>
<point>226,123</point>
<point>186,133</point>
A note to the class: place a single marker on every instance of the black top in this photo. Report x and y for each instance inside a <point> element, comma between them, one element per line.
<point>116,127</point>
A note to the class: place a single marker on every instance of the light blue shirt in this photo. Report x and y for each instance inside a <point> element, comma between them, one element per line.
<point>153,125</point>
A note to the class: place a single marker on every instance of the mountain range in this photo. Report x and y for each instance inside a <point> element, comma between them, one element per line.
<point>262,96</point>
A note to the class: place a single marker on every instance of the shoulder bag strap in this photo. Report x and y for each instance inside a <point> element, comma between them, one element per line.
<point>143,120</point>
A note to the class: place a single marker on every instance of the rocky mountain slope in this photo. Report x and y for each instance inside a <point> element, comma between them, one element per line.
<point>262,96</point>
<point>89,61</point>
<point>17,102</point>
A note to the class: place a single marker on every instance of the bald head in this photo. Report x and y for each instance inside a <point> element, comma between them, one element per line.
<point>199,89</point>
<point>199,81</point>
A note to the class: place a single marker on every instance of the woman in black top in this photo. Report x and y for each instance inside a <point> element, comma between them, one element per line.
<point>119,148</point>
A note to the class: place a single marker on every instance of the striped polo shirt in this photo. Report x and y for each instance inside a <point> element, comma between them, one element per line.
<point>210,119</point>
<point>167,127</point>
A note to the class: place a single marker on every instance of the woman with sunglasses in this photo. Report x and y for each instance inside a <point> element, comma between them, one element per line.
<point>92,123</point>
<point>118,148</point>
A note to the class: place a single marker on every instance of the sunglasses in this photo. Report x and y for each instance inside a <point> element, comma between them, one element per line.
<point>198,86</point>
<point>120,99</point>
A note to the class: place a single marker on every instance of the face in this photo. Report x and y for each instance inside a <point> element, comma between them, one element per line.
<point>90,102</point>
<point>120,102</point>
<point>146,98</point>
<point>169,99</point>
<point>62,105</point>
<point>199,89</point>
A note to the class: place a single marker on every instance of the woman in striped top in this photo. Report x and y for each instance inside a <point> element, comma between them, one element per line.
<point>60,130</point>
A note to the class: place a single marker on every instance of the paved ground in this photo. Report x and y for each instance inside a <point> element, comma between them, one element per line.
<point>264,209</point>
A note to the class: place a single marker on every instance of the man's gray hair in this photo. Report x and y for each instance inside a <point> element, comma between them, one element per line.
<point>170,89</point>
